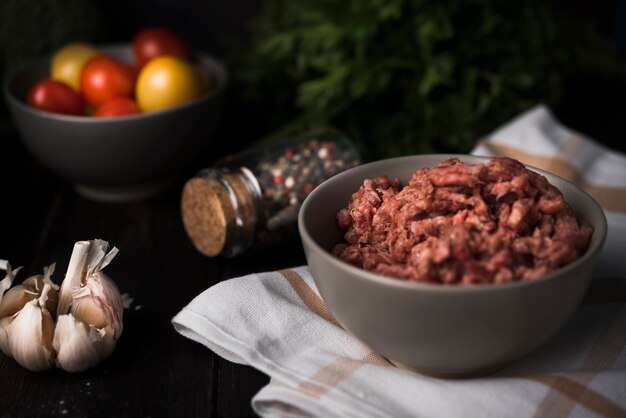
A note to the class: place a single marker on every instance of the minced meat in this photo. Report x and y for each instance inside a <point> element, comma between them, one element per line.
<point>457,223</point>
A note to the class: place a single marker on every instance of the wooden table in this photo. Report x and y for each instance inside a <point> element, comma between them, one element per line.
<point>154,371</point>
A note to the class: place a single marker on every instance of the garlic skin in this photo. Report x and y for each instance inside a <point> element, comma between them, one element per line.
<point>80,346</point>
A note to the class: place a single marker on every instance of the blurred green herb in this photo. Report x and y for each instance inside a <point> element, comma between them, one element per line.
<point>409,76</point>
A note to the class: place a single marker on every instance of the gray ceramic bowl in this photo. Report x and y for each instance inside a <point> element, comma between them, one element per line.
<point>123,158</point>
<point>435,329</point>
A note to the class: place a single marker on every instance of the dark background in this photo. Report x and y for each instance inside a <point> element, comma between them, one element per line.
<point>217,26</point>
<point>208,24</point>
<point>30,29</point>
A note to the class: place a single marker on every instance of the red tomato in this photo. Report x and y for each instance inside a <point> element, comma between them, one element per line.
<point>55,96</point>
<point>117,106</point>
<point>104,78</point>
<point>155,41</point>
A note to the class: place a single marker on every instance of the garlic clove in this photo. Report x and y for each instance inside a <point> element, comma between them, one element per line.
<point>89,309</point>
<point>30,337</point>
<point>80,346</point>
<point>15,299</point>
<point>36,284</point>
<point>31,331</point>
<point>30,289</point>
<point>99,303</point>
<point>4,336</point>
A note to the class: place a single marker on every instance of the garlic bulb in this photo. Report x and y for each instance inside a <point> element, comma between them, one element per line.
<point>4,319</point>
<point>73,327</point>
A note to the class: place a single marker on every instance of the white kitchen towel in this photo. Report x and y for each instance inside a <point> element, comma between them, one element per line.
<point>277,323</point>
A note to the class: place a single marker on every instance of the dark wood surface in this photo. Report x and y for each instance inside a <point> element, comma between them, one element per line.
<point>154,371</point>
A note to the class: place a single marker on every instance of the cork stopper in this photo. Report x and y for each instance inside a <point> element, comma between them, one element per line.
<point>208,215</point>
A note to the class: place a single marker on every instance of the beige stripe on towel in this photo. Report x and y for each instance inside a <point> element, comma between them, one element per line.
<point>308,296</point>
<point>610,198</point>
<point>341,368</point>
<point>337,371</point>
<point>565,392</point>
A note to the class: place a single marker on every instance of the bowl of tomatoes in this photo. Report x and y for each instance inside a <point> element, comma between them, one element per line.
<point>119,121</point>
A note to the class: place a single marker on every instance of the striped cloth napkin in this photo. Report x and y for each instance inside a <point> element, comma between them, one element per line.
<point>278,323</point>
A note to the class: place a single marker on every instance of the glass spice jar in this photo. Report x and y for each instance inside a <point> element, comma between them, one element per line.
<point>250,200</point>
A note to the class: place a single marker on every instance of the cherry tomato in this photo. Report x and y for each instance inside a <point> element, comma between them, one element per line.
<point>55,96</point>
<point>165,82</point>
<point>152,42</point>
<point>68,63</point>
<point>117,106</point>
<point>104,78</point>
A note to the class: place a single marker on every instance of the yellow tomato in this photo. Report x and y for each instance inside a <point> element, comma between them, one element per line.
<point>68,62</point>
<point>165,82</point>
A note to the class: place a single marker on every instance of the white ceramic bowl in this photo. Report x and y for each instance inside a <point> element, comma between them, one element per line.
<point>436,329</point>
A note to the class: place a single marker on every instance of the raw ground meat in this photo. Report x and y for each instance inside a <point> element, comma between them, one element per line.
<point>462,224</point>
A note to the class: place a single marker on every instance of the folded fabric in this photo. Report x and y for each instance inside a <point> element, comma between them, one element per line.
<point>277,323</point>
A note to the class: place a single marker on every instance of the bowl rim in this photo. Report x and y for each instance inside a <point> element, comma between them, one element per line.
<point>221,77</point>
<point>389,281</point>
